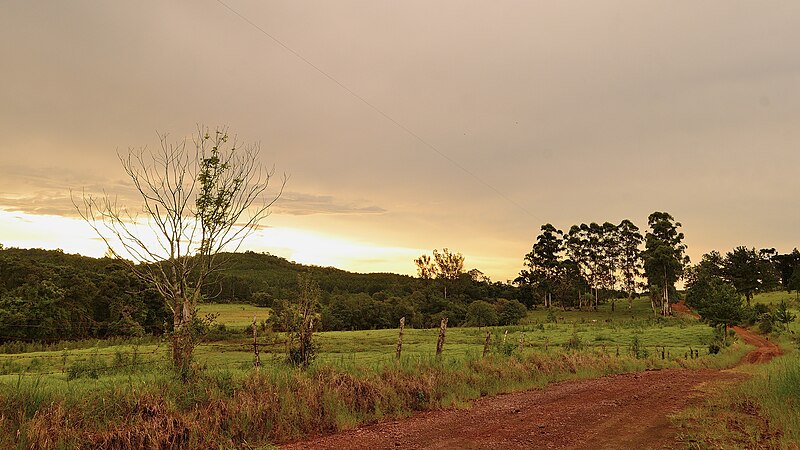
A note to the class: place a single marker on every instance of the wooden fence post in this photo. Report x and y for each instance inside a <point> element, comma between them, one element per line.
<point>257,361</point>
<point>521,341</point>
<point>400,338</point>
<point>546,343</point>
<point>486,343</point>
<point>440,342</point>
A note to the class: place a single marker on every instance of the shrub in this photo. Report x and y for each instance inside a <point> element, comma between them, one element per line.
<point>766,323</point>
<point>481,314</point>
<point>574,342</point>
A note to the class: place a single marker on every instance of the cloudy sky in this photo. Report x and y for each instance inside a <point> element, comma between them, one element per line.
<point>407,126</point>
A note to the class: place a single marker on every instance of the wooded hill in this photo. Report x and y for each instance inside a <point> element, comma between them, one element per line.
<point>47,295</point>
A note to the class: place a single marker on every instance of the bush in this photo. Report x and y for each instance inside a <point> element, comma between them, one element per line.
<point>263,299</point>
<point>90,368</point>
<point>510,312</point>
<point>481,314</point>
<point>766,323</point>
<point>637,349</point>
<point>574,342</point>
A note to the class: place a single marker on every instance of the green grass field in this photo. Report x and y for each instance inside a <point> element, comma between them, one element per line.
<point>234,314</point>
<point>604,331</point>
<point>354,380</point>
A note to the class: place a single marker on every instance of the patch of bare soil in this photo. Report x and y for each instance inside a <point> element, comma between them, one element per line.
<point>622,411</point>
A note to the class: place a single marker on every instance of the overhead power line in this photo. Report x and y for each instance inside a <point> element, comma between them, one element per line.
<point>385,115</point>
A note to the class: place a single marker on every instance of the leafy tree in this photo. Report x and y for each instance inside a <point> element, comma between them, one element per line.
<point>197,203</point>
<point>543,262</point>
<point>721,304</point>
<point>664,259</point>
<point>302,349</point>
<point>630,258</point>
<point>749,271</point>
<point>608,261</point>
<point>794,281</point>
<point>480,314</point>
<point>449,265</point>
<point>787,264</point>
<point>425,268</point>
<point>510,312</point>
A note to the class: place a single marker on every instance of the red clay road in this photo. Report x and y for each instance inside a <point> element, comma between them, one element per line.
<point>616,412</point>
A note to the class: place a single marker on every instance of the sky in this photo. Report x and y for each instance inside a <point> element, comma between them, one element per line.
<point>414,125</point>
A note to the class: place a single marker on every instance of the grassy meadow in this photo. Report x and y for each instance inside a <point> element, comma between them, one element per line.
<point>355,378</point>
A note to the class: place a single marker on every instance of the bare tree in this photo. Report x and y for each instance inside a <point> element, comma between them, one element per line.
<point>196,202</point>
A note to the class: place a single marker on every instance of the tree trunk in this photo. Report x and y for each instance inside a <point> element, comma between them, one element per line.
<point>440,342</point>
<point>400,338</point>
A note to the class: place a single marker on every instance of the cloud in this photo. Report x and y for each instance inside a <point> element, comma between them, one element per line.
<point>299,204</point>
<point>46,191</point>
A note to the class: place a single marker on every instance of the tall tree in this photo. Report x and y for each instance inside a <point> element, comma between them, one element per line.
<point>576,242</point>
<point>542,263</point>
<point>664,259</point>
<point>608,262</point>
<point>749,271</point>
<point>445,266</point>
<point>449,265</point>
<point>630,258</point>
<point>425,268</point>
<point>786,264</point>
<point>196,202</point>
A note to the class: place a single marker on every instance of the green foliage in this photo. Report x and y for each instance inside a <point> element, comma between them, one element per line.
<point>481,314</point>
<point>717,302</point>
<point>51,296</point>
<point>574,342</point>
<point>783,316</point>
<point>637,350</point>
<point>664,255</point>
<point>766,323</point>
<point>750,271</point>
<point>510,312</point>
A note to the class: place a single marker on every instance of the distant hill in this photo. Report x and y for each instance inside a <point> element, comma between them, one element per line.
<point>251,277</point>
<point>48,295</point>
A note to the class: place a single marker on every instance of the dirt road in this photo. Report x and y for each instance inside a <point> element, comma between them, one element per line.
<point>623,411</point>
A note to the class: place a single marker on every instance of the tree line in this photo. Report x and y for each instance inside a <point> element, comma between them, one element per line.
<point>594,262</point>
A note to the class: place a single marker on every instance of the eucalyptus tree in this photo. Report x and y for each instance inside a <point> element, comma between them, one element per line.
<point>196,202</point>
<point>576,242</point>
<point>664,259</point>
<point>608,261</point>
<point>543,262</point>
<point>630,258</point>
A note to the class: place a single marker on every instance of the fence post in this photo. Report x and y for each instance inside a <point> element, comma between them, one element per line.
<point>400,337</point>
<point>257,361</point>
<point>440,342</point>
<point>546,343</point>
<point>505,335</point>
<point>486,343</point>
<point>521,341</point>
